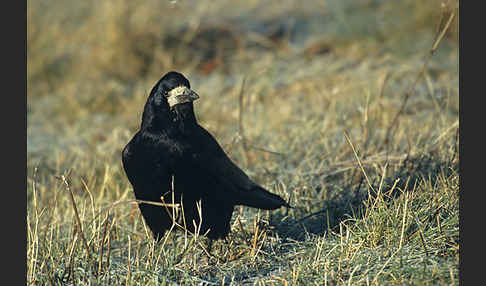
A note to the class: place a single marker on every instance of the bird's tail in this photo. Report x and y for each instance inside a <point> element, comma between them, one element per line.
<point>260,198</point>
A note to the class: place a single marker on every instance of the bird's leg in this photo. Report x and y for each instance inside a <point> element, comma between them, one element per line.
<point>227,242</point>
<point>211,257</point>
<point>222,246</point>
<point>209,247</point>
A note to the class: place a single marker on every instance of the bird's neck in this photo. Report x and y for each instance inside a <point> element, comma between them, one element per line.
<point>155,119</point>
<point>180,119</point>
<point>182,115</point>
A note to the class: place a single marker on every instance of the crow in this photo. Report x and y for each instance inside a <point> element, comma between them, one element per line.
<point>172,159</point>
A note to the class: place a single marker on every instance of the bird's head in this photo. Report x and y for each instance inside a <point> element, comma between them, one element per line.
<point>173,89</point>
<point>171,98</point>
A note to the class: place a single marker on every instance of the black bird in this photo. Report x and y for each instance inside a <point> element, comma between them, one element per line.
<point>171,145</point>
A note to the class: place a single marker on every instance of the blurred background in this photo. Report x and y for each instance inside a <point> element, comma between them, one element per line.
<point>91,64</point>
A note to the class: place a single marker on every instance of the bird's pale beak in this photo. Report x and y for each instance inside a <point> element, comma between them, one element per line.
<point>180,95</point>
<point>191,94</point>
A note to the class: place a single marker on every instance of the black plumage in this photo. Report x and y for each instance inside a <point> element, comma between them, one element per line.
<point>171,145</point>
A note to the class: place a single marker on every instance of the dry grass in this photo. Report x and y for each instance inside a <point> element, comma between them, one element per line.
<point>337,112</point>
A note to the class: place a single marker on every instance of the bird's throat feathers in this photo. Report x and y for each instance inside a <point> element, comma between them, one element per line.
<point>183,116</point>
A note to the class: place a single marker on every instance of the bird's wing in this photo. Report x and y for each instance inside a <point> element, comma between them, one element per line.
<point>139,160</point>
<point>150,180</point>
<point>217,163</point>
<point>212,161</point>
<point>128,159</point>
